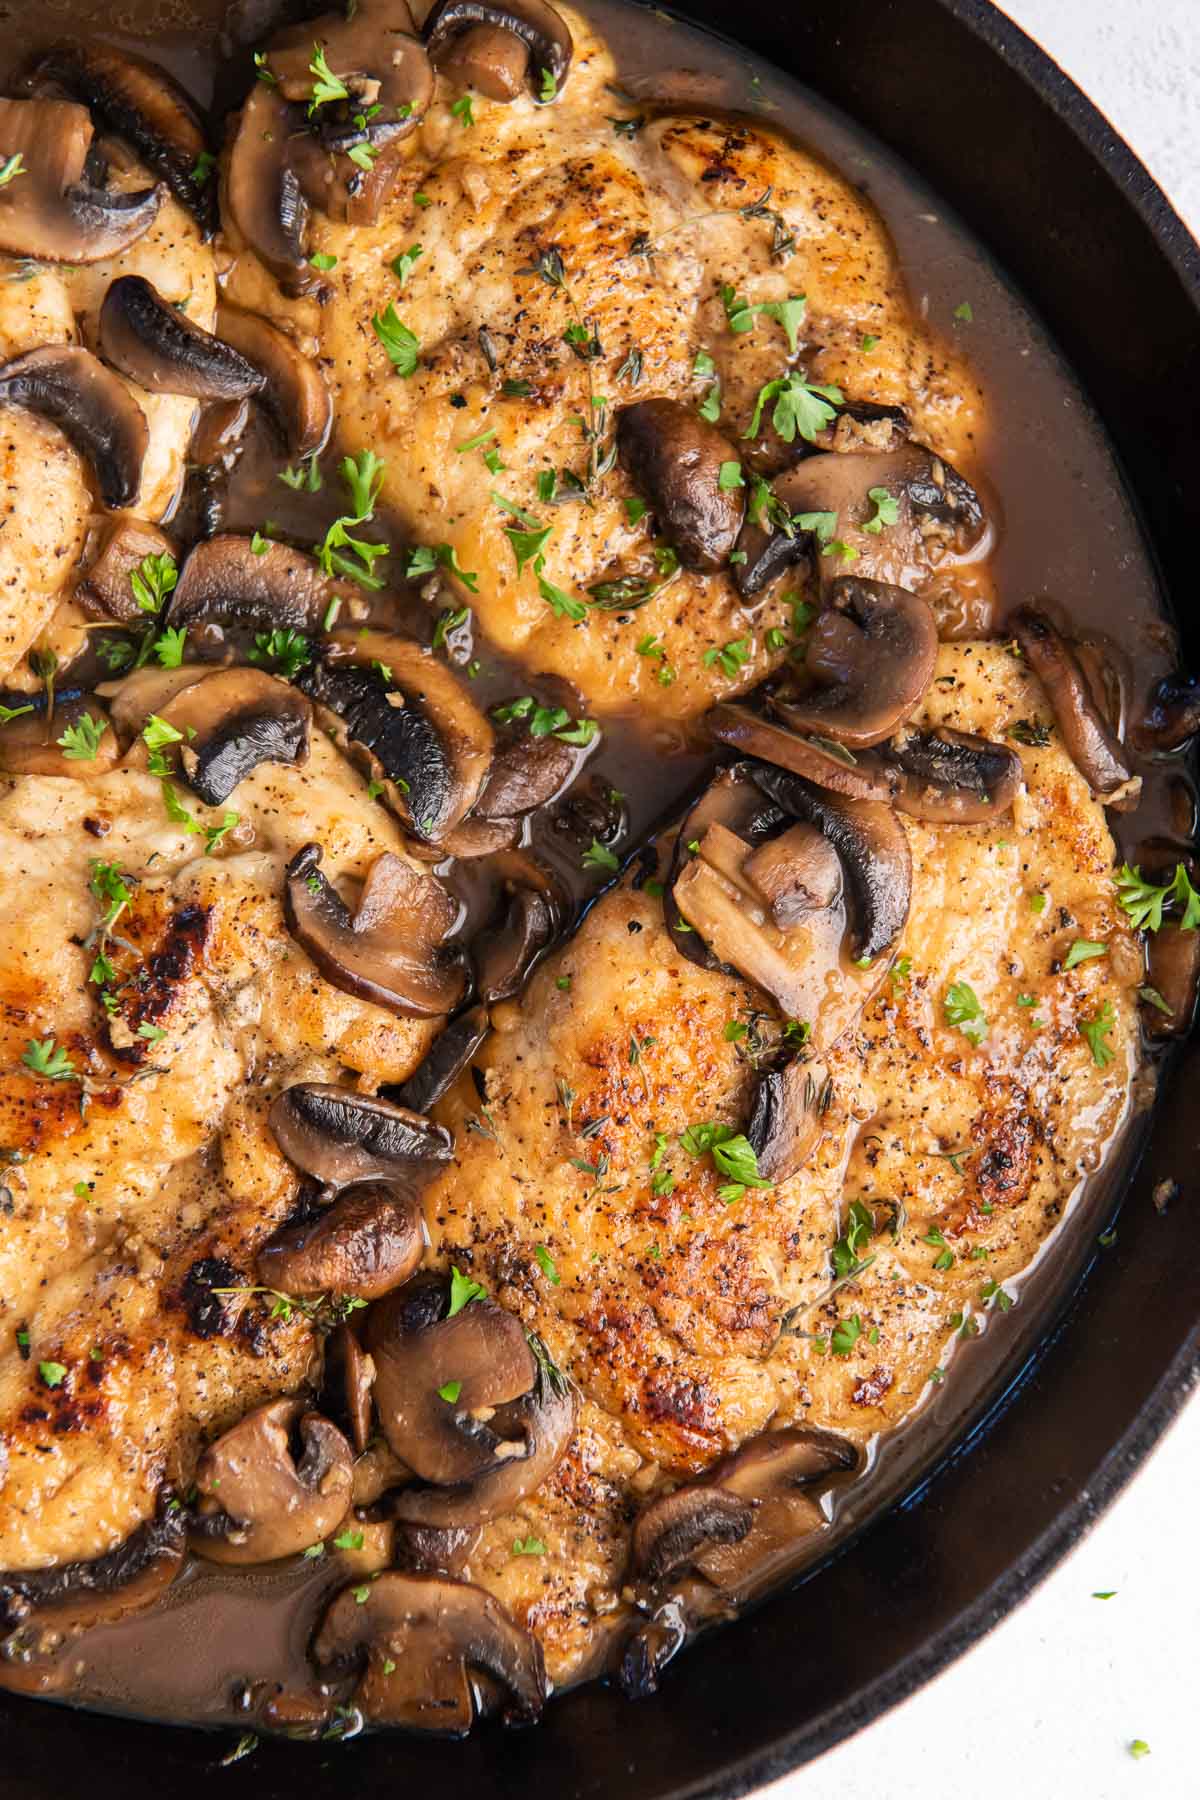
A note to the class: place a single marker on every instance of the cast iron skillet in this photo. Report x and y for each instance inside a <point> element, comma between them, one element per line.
<point>1000,132</point>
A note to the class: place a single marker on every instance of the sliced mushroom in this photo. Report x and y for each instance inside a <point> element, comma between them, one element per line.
<point>420,1354</point>
<point>1093,748</point>
<point>787,1106</point>
<point>368,1242</point>
<point>341,1137</point>
<point>160,348</point>
<point>423,1549</point>
<point>51,212</point>
<point>262,193</point>
<point>408,721</point>
<point>445,1061</point>
<point>416,1638</point>
<point>346,1385</point>
<point>526,774</point>
<point>534,912</point>
<point>123,1580</point>
<point>858,428</point>
<point>1172,715</point>
<point>674,459</point>
<point>862,774</point>
<point>144,691</point>
<point>105,589</point>
<point>33,744</point>
<point>293,390</point>
<point>230,722</point>
<point>936,511</point>
<point>873,849</point>
<point>258,1501</point>
<point>490,59</point>
<point>91,406</point>
<point>872,652</point>
<point>225,582</point>
<point>694,1542</point>
<point>734,799</point>
<point>460,37</point>
<point>1173,958</point>
<point>373,50</point>
<point>953,777</point>
<point>139,101</point>
<point>668,1533</point>
<point>391,949</point>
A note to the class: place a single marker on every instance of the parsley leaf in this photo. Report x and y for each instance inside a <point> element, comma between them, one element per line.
<point>48,1060</point>
<point>80,742</point>
<point>801,407</point>
<point>402,345</point>
<point>463,1291</point>
<point>961,1007</point>
<point>599,856</point>
<point>1145,903</point>
<point>1095,1030</point>
<point>1083,951</point>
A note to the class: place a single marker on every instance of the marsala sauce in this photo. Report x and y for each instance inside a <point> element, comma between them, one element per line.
<point>220,1642</point>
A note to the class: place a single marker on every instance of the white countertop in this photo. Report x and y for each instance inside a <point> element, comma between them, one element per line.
<point>1045,1708</point>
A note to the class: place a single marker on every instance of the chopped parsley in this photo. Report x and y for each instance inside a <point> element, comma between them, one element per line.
<point>1096,1030</point>
<point>450,1391</point>
<point>801,408</point>
<point>887,510</point>
<point>1082,951</point>
<point>52,1373</point>
<point>788,313</point>
<point>403,265</point>
<point>599,856</point>
<point>81,741</point>
<point>290,649</point>
<point>545,1263</point>
<point>49,1060</point>
<point>962,1009</point>
<point>402,345</point>
<point>1145,903</point>
<point>463,1291</point>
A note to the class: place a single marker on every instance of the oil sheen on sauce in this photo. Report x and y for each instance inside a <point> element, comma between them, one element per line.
<point>221,1642</point>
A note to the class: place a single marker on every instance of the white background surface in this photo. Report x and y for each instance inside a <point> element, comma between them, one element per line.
<point>1047,1705</point>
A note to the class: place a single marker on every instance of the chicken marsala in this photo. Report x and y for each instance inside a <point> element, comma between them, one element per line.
<point>563,947</point>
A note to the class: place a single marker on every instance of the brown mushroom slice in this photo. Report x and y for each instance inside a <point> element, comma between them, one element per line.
<point>735,800</point>
<point>1172,715</point>
<point>426,1550</point>
<point>490,59</point>
<point>293,390</point>
<point>796,873</point>
<point>346,1386</point>
<point>873,848</point>
<point>953,777</point>
<point>391,949</point>
<point>232,721</point>
<point>1092,746</point>
<point>668,1533</point>
<point>858,428</point>
<point>135,696</point>
<point>33,744</point>
<point>258,1500</point>
<point>104,1588</point>
<point>861,774</point>
<point>368,1242</point>
<point>539,1427</point>
<point>225,582</point>
<point>408,721</point>
<point>776,1473</point>
<point>800,966</point>
<point>341,1137</point>
<point>872,652</point>
<point>421,1352</point>
<point>1173,958</point>
<point>445,1061</point>
<point>674,459</point>
<point>262,193</point>
<point>373,50</point>
<point>533,916</point>
<point>454,34</point>
<point>139,101</point>
<point>417,1638</point>
<point>51,213</point>
<point>160,348</point>
<point>787,1106</point>
<point>526,773</point>
<point>105,589</point>
<point>91,406</point>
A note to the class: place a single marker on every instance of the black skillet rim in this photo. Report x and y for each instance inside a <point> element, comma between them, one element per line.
<point>110,1758</point>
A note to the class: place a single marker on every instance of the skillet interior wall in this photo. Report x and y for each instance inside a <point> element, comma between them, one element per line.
<point>925,1566</point>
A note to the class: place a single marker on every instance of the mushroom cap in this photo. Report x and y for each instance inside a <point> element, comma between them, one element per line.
<point>445,1060</point>
<point>105,589</point>
<point>391,949</point>
<point>141,102</point>
<point>293,390</point>
<point>160,348</point>
<point>52,213</point>
<point>668,1532</point>
<point>539,27</point>
<point>262,196</point>
<point>416,1636</point>
<point>341,1137</point>
<point>533,911</point>
<point>860,774</point>
<point>1091,744</point>
<point>346,1381</point>
<point>873,652</point>
<point>268,1502</point>
<point>366,1243</point>
<point>92,407</point>
<point>375,53</point>
<point>417,1350</point>
<point>409,721</point>
<point>105,1587</point>
<point>953,777</point>
<point>225,582</point>
<point>231,721</point>
<point>674,458</point>
<point>786,1109</point>
<point>733,799</point>
<point>871,844</point>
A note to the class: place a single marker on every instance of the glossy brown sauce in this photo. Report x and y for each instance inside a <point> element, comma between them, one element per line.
<point>220,1644</point>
